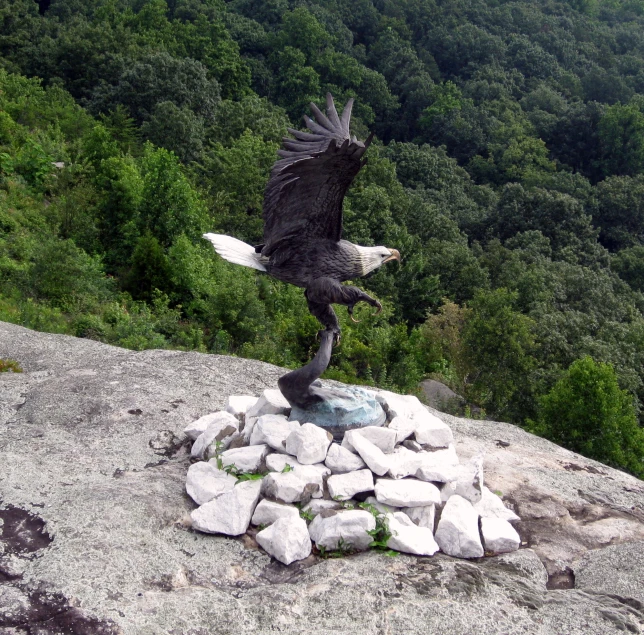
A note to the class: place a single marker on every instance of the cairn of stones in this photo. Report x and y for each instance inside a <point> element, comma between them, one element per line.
<point>397,487</point>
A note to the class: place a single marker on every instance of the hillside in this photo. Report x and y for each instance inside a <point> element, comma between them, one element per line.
<point>508,170</point>
<point>95,519</point>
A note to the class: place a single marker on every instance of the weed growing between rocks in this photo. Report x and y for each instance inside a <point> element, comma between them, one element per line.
<point>9,366</point>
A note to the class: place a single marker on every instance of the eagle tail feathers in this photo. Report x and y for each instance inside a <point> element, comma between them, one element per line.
<point>236,251</point>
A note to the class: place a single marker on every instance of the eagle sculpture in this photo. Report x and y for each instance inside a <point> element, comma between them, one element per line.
<point>303,219</point>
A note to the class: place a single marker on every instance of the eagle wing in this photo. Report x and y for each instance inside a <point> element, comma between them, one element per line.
<point>303,197</point>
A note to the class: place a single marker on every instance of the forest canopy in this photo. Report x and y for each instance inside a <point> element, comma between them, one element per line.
<point>508,170</point>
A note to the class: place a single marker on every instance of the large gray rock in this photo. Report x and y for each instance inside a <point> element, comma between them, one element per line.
<point>93,464</point>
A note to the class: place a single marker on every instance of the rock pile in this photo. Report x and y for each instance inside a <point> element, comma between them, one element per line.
<point>400,486</point>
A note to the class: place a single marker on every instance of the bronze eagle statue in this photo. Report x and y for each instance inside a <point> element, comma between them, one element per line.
<point>303,219</point>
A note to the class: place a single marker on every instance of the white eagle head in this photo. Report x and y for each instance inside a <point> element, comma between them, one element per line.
<point>373,257</point>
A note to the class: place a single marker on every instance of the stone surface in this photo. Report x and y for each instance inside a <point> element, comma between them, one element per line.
<point>373,456</point>
<point>220,428</point>
<point>204,481</point>
<point>238,405</point>
<point>287,539</point>
<point>439,466</point>
<point>277,462</point>
<point>403,427</point>
<point>491,506</point>
<point>198,426</point>
<point>383,438</point>
<point>308,444</point>
<point>268,512</point>
<point>352,408</point>
<point>273,430</point>
<point>381,507</point>
<point>433,432</point>
<point>290,487</point>
<point>499,536</point>
<point>440,396</point>
<point>271,402</point>
<point>408,537</point>
<point>422,516</point>
<point>406,492</point>
<point>458,529</point>
<point>344,486</point>
<point>80,452</point>
<point>348,528</point>
<point>317,505</point>
<point>404,462</point>
<point>340,460</point>
<point>230,512</point>
<point>246,459</point>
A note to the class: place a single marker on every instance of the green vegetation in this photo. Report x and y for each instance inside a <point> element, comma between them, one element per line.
<point>9,366</point>
<point>508,170</point>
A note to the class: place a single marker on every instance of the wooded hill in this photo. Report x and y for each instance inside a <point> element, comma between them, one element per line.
<point>508,170</point>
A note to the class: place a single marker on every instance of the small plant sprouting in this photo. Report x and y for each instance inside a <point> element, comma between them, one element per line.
<point>381,534</point>
<point>287,468</point>
<point>9,365</point>
<point>307,514</point>
<point>220,463</point>
<point>343,549</point>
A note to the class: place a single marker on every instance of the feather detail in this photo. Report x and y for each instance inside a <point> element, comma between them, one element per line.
<point>236,251</point>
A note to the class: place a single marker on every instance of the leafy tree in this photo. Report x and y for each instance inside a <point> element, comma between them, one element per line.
<point>587,412</point>
<point>149,271</point>
<point>621,134</point>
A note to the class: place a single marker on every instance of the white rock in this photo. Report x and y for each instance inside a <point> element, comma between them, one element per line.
<point>412,445</point>
<point>221,428</point>
<point>340,460</point>
<point>308,443</point>
<point>468,482</point>
<point>277,462</point>
<point>230,512</point>
<point>491,506</point>
<point>314,474</point>
<point>381,507</point>
<point>245,459</point>
<point>344,486</point>
<point>287,539</point>
<point>433,432</point>
<point>499,536</point>
<point>238,405</point>
<point>290,487</point>
<point>249,426</point>
<point>272,402</point>
<point>410,538</point>
<point>403,427</point>
<point>373,456</point>
<point>205,481</point>
<point>458,529</point>
<point>382,438</point>
<point>406,492</point>
<point>351,526</point>
<point>194,429</point>
<point>268,512</point>
<point>396,405</point>
<point>273,430</point>
<point>438,466</point>
<point>422,516</point>
<point>317,505</point>
<point>403,462</point>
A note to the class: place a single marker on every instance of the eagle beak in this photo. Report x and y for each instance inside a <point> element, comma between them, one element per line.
<point>395,255</point>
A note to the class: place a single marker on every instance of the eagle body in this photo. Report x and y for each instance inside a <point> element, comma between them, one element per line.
<point>302,214</point>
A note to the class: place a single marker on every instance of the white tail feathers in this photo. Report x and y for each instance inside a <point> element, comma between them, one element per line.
<point>235,251</point>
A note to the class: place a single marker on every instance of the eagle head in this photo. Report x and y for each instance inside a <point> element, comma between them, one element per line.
<point>373,257</point>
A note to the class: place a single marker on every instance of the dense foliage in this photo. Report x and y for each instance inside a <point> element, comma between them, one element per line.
<point>508,170</point>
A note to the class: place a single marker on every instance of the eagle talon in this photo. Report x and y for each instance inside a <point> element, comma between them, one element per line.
<point>378,308</point>
<point>350,312</point>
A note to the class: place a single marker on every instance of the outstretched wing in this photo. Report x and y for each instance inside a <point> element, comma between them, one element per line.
<point>303,198</point>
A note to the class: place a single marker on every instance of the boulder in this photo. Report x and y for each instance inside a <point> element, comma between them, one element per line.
<point>404,462</point>
<point>94,513</point>
<point>308,443</point>
<point>408,537</point>
<point>273,429</point>
<point>290,487</point>
<point>271,402</point>
<point>204,482</point>
<point>422,516</point>
<point>340,460</point>
<point>439,466</point>
<point>346,529</point>
<point>373,456</point>
<point>220,429</point>
<point>383,438</point>
<point>238,405</point>
<point>491,506</point>
<point>406,492</point>
<point>499,536</point>
<point>317,505</point>
<point>246,459</point>
<point>458,529</point>
<point>230,512</point>
<point>277,462</point>
<point>268,512</point>
<point>344,486</point>
<point>287,539</point>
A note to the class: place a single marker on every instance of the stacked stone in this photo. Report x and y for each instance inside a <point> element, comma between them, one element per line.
<point>407,471</point>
